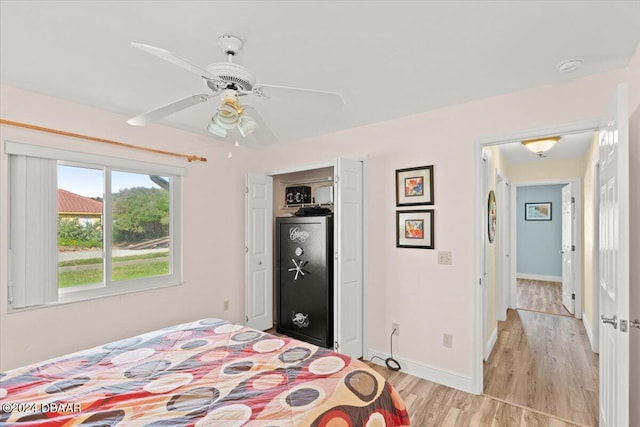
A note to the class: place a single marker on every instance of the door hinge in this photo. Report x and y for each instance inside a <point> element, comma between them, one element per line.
<point>623,326</point>
<point>336,179</point>
<point>246,318</point>
<point>573,199</point>
<point>336,345</point>
<point>246,190</point>
<point>573,296</point>
<point>246,249</point>
<point>573,248</point>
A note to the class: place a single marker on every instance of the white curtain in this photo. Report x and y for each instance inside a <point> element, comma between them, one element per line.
<point>33,223</point>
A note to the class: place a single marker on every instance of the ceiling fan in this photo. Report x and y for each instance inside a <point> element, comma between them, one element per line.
<point>232,82</point>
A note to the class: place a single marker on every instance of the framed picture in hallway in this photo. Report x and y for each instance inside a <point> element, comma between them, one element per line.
<point>414,229</point>
<point>414,186</point>
<point>537,211</point>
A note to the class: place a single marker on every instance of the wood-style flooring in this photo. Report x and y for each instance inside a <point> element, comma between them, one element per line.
<point>542,296</point>
<point>544,362</point>
<point>434,405</point>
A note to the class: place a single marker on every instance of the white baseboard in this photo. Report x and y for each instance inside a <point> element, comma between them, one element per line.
<point>587,328</point>
<point>418,369</point>
<point>491,343</point>
<point>541,277</point>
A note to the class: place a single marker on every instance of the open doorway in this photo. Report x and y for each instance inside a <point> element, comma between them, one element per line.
<point>548,248</point>
<point>526,350</point>
<point>262,205</point>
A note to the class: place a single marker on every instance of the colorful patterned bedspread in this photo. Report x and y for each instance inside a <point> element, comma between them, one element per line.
<point>205,373</point>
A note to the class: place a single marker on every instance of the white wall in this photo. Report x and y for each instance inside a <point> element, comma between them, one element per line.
<point>406,286</point>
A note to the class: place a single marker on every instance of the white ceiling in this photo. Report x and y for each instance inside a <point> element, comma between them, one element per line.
<point>388,58</point>
<point>568,147</point>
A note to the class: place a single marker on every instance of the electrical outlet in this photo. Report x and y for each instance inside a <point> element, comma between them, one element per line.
<point>396,327</point>
<point>447,340</point>
<point>445,258</point>
<point>225,305</point>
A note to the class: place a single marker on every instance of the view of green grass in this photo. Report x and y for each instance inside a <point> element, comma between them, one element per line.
<point>116,259</point>
<point>119,272</point>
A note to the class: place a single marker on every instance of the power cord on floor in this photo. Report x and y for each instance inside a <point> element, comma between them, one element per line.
<point>390,361</point>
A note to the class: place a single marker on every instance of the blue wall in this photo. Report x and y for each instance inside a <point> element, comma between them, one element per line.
<point>540,242</point>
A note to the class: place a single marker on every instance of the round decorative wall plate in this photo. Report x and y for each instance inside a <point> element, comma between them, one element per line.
<point>491,216</point>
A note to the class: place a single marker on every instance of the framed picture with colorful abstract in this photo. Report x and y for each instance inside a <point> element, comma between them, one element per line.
<point>414,229</point>
<point>414,186</point>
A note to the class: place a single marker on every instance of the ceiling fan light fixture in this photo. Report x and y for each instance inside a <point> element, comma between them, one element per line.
<point>541,145</point>
<point>247,125</point>
<point>225,122</point>
<point>228,115</point>
<point>215,128</point>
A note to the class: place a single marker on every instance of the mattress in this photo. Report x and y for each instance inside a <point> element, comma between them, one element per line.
<point>205,373</point>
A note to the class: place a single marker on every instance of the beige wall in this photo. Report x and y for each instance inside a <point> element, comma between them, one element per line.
<point>496,163</point>
<point>547,170</point>
<point>588,228</point>
<point>634,231</point>
<point>405,286</point>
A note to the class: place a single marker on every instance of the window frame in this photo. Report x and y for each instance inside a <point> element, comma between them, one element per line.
<point>108,165</point>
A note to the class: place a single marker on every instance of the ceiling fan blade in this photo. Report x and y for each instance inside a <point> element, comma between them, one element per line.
<point>264,135</point>
<point>166,110</point>
<point>269,91</point>
<point>174,59</point>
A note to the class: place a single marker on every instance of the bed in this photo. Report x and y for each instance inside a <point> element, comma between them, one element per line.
<point>205,373</point>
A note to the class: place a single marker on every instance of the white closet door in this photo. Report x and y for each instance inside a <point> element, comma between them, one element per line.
<point>259,251</point>
<point>348,321</point>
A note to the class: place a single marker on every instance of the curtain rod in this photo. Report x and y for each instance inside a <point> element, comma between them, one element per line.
<point>189,157</point>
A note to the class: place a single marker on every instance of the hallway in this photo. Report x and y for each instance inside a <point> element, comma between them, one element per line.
<point>544,362</point>
<point>540,296</point>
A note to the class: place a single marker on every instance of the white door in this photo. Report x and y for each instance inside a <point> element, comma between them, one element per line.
<point>485,255</point>
<point>568,248</point>
<point>259,251</point>
<point>614,262</point>
<point>348,291</point>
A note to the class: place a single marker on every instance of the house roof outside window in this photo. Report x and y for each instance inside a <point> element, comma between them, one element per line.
<point>72,203</point>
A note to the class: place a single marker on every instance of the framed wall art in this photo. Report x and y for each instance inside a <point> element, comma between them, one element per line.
<point>414,229</point>
<point>537,211</point>
<point>414,186</point>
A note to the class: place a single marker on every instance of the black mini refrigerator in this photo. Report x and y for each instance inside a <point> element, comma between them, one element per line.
<point>304,278</point>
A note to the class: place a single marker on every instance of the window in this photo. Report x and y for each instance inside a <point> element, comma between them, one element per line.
<point>84,226</point>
